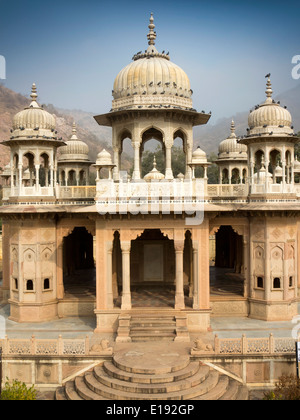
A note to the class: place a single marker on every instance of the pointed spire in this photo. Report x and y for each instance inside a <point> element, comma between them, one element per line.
<point>154,162</point>
<point>152,34</point>
<point>74,132</point>
<point>269,90</point>
<point>34,96</point>
<point>232,129</point>
<point>33,92</point>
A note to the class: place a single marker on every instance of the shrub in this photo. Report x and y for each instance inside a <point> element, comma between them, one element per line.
<point>287,389</point>
<point>17,391</point>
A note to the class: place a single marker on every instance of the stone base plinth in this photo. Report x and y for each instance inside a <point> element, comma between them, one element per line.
<point>31,312</point>
<point>107,321</point>
<point>273,311</point>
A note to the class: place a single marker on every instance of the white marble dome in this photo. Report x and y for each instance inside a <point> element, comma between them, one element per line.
<point>33,120</point>
<point>104,158</point>
<point>231,149</point>
<point>74,149</point>
<point>151,77</point>
<point>199,156</point>
<point>270,117</point>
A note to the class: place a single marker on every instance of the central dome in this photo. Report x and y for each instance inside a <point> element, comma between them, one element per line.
<point>152,79</point>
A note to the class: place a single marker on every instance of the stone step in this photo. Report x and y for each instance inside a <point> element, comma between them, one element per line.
<point>159,388</point>
<point>71,391</point>
<point>155,336</point>
<point>152,326</point>
<point>123,363</point>
<point>243,394</point>
<point>232,391</point>
<point>60,394</point>
<point>84,391</point>
<point>113,394</point>
<point>186,372</point>
<point>217,392</point>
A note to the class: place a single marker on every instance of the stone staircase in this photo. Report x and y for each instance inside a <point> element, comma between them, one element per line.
<point>181,379</point>
<point>152,326</point>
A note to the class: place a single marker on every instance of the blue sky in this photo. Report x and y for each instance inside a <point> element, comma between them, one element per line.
<point>73,50</point>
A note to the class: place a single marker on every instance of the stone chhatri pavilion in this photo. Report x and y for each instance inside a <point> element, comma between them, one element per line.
<point>117,251</point>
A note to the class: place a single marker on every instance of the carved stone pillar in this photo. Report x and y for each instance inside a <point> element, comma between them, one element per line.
<point>126,294</point>
<point>169,172</point>
<point>110,298</point>
<point>195,276</point>
<point>179,296</point>
<point>136,171</point>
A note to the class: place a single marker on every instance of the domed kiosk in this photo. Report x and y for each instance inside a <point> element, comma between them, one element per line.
<point>33,147</point>
<point>270,140</point>
<point>152,99</point>
<point>73,161</point>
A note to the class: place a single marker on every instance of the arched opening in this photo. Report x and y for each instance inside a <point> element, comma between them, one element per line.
<point>235,176</point>
<point>44,171</point>
<point>126,155</point>
<point>152,145</point>
<point>179,156</point>
<point>28,170</point>
<point>275,166</point>
<point>82,177</point>
<point>71,178</point>
<point>225,176</point>
<point>226,261</point>
<point>78,263</point>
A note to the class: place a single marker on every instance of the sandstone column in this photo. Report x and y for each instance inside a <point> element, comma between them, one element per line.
<point>195,275</point>
<point>110,298</point>
<point>126,294</point>
<point>179,296</point>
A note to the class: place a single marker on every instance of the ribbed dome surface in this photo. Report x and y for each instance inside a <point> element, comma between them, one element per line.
<point>33,120</point>
<point>150,76</point>
<point>151,79</point>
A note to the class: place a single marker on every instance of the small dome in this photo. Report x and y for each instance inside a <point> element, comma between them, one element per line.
<point>104,158</point>
<point>278,171</point>
<point>33,120</point>
<point>199,156</point>
<point>231,149</point>
<point>75,149</point>
<point>261,176</point>
<point>270,117</point>
<point>296,165</point>
<point>154,174</point>
<point>151,78</point>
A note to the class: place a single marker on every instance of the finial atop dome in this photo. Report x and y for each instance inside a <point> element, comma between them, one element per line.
<point>34,96</point>
<point>232,129</point>
<point>74,132</point>
<point>154,162</point>
<point>152,34</point>
<point>269,90</point>
<point>33,92</point>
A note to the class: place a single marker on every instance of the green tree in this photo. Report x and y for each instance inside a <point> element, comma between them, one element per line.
<point>17,391</point>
